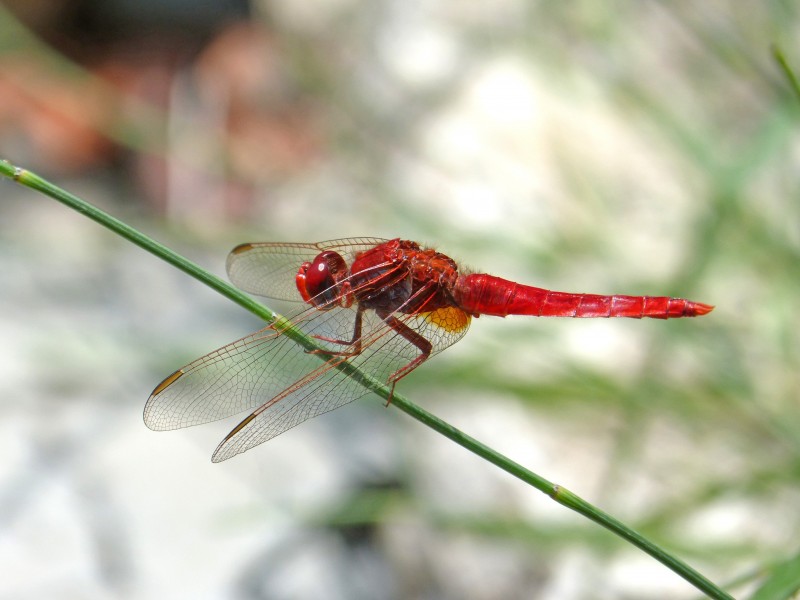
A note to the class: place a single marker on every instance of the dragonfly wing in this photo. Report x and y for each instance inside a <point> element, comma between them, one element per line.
<point>232,379</point>
<point>269,269</point>
<point>326,388</point>
<point>323,390</point>
<point>269,372</point>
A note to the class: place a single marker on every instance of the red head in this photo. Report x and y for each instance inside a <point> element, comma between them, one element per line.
<point>321,282</point>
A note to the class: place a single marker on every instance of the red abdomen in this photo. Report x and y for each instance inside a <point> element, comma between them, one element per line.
<point>480,294</point>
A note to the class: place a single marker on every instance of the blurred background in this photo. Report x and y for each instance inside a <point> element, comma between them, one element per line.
<point>629,147</point>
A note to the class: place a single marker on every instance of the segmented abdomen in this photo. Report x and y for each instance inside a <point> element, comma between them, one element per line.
<point>489,295</point>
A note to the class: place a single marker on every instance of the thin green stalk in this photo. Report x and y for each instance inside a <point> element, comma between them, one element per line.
<point>556,492</point>
<point>777,54</point>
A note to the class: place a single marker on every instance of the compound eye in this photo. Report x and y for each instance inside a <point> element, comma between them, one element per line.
<point>322,279</point>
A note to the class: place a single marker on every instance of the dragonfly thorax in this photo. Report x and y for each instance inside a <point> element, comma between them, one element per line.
<point>400,276</point>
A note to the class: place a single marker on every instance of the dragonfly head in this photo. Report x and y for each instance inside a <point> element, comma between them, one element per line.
<point>322,283</point>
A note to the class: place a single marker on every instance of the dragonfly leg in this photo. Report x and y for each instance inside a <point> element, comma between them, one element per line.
<point>354,343</point>
<point>424,346</point>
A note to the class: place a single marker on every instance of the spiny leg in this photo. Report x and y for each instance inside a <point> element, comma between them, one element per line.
<point>354,343</point>
<point>423,345</point>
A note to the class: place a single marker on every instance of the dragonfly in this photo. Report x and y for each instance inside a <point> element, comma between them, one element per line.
<point>383,306</point>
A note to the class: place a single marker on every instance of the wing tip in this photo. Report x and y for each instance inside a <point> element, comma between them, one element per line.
<point>149,420</point>
<point>224,451</point>
<point>168,381</point>
<point>227,449</point>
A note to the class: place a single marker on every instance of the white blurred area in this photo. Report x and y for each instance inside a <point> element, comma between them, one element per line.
<point>520,139</point>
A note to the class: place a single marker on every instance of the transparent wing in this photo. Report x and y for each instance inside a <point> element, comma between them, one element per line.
<point>269,269</point>
<point>286,386</point>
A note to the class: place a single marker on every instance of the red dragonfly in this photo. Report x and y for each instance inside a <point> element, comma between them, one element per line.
<point>386,306</point>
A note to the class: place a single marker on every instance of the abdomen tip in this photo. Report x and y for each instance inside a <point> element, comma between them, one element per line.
<point>697,309</point>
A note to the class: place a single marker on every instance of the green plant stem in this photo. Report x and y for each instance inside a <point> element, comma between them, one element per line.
<point>556,492</point>
<point>779,57</point>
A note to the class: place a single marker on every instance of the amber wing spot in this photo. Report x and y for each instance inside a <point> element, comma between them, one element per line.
<point>167,382</point>
<point>449,318</point>
<point>242,248</point>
